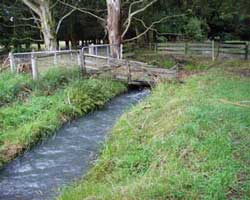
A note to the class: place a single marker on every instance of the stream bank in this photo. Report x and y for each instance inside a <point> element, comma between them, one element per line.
<point>60,160</point>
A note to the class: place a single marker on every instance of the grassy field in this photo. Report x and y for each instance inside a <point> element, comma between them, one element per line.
<point>186,141</point>
<point>32,110</point>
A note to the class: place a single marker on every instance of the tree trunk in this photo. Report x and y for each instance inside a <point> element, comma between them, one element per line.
<point>43,10</point>
<point>114,26</point>
<point>48,26</point>
<point>38,46</point>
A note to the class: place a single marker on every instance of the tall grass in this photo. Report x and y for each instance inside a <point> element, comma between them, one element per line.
<point>17,87</point>
<point>51,103</point>
<point>185,142</point>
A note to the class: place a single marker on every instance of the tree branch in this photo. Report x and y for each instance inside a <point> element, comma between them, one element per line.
<point>18,25</point>
<point>33,6</point>
<point>130,9</point>
<point>151,26</point>
<point>27,38</point>
<point>131,15</point>
<point>63,18</point>
<point>82,10</point>
<point>30,18</point>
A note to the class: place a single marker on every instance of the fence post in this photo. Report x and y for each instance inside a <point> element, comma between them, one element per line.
<point>34,67</point>
<point>246,51</point>
<point>55,59</point>
<point>129,72</point>
<point>12,62</point>
<point>213,51</point>
<point>107,50</point>
<point>91,49</point>
<point>79,58</point>
<point>218,50</point>
<point>186,48</point>
<point>81,62</point>
<point>96,50</point>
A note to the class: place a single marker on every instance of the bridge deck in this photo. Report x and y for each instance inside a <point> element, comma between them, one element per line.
<point>133,72</point>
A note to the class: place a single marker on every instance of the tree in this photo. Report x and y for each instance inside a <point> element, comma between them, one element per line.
<point>113,26</point>
<point>194,30</point>
<point>47,21</point>
<point>114,23</point>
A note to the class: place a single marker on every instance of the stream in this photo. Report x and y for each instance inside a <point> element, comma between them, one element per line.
<point>58,161</point>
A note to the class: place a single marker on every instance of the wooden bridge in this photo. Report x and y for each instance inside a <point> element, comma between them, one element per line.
<point>132,72</point>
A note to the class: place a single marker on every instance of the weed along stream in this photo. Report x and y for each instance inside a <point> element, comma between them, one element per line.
<point>39,173</point>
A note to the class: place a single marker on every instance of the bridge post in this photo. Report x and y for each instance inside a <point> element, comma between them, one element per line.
<point>107,50</point>
<point>129,72</point>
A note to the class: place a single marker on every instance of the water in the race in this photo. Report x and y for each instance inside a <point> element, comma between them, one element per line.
<point>57,162</point>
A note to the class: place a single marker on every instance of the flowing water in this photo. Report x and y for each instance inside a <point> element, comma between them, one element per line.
<point>60,160</point>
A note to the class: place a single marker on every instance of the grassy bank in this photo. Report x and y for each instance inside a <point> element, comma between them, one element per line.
<point>47,107</point>
<point>187,141</point>
<point>17,87</point>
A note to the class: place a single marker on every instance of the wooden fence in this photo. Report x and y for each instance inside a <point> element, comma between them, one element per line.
<point>36,62</point>
<point>208,49</point>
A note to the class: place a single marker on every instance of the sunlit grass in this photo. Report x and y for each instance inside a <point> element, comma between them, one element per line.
<point>187,141</point>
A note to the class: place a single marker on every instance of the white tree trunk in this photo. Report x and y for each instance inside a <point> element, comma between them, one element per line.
<point>48,26</point>
<point>114,26</point>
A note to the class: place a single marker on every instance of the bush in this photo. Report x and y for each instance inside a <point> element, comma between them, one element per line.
<point>195,29</point>
<point>14,87</point>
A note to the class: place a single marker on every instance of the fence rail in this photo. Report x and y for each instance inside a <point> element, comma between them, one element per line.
<point>209,49</point>
<point>36,62</point>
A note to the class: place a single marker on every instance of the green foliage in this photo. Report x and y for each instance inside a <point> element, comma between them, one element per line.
<point>184,142</point>
<point>22,124</point>
<point>194,29</point>
<point>15,87</point>
<point>158,60</point>
<point>12,86</point>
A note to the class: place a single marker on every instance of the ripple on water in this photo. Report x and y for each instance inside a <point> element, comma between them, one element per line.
<point>39,173</point>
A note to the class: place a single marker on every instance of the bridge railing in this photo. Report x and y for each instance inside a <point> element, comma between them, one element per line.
<point>105,50</point>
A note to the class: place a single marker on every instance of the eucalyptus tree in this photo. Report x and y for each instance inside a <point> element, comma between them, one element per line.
<point>49,15</point>
<point>117,18</point>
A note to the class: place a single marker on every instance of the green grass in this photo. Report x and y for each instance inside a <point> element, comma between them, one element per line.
<point>187,141</point>
<point>155,59</point>
<point>50,104</point>
<point>17,87</point>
